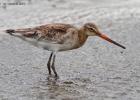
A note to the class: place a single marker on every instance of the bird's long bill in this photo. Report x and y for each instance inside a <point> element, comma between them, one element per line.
<point>110,40</point>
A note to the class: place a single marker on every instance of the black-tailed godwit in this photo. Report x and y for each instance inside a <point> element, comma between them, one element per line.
<point>59,37</point>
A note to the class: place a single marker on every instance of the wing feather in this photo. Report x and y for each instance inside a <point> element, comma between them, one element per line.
<point>53,32</point>
<point>50,32</point>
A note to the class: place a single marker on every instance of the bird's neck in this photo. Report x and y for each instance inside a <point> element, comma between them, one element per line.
<point>82,36</point>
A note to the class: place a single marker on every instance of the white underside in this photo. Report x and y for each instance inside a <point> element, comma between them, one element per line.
<point>50,46</point>
<point>68,45</point>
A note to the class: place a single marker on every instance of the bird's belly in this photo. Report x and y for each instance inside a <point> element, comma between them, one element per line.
<point>68,45</point>
<point>48,46</point>
<point>42,44</point>
<point>65,47</point>
<point>55,46</point>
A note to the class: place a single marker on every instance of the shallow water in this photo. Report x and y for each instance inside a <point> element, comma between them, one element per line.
<point>97,71</point>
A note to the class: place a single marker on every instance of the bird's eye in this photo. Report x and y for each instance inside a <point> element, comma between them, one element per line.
<point>92,29</point>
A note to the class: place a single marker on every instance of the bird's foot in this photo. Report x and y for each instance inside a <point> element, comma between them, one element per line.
<point>56,77</point>
<point>49,76</point>
<point>52,77</point>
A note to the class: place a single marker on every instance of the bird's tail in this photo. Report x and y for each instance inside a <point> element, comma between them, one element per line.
<point>23,32</point>
<point>10,31</point>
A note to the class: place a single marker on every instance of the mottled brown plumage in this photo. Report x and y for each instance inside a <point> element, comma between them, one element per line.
<point>59,37</point>
<point>51,32</point>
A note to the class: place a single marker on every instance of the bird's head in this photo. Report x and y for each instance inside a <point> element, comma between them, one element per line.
<point>92,30</point>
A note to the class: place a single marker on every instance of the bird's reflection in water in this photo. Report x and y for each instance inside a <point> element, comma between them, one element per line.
<point>52,88</point>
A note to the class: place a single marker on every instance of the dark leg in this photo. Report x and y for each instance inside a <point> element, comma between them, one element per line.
<point>53,66</point>
<point>49,63</point>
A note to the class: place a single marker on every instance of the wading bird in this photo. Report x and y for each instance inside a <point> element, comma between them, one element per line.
<point>59,37</point>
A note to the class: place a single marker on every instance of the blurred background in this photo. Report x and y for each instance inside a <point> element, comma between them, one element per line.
<point>96,71</point>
